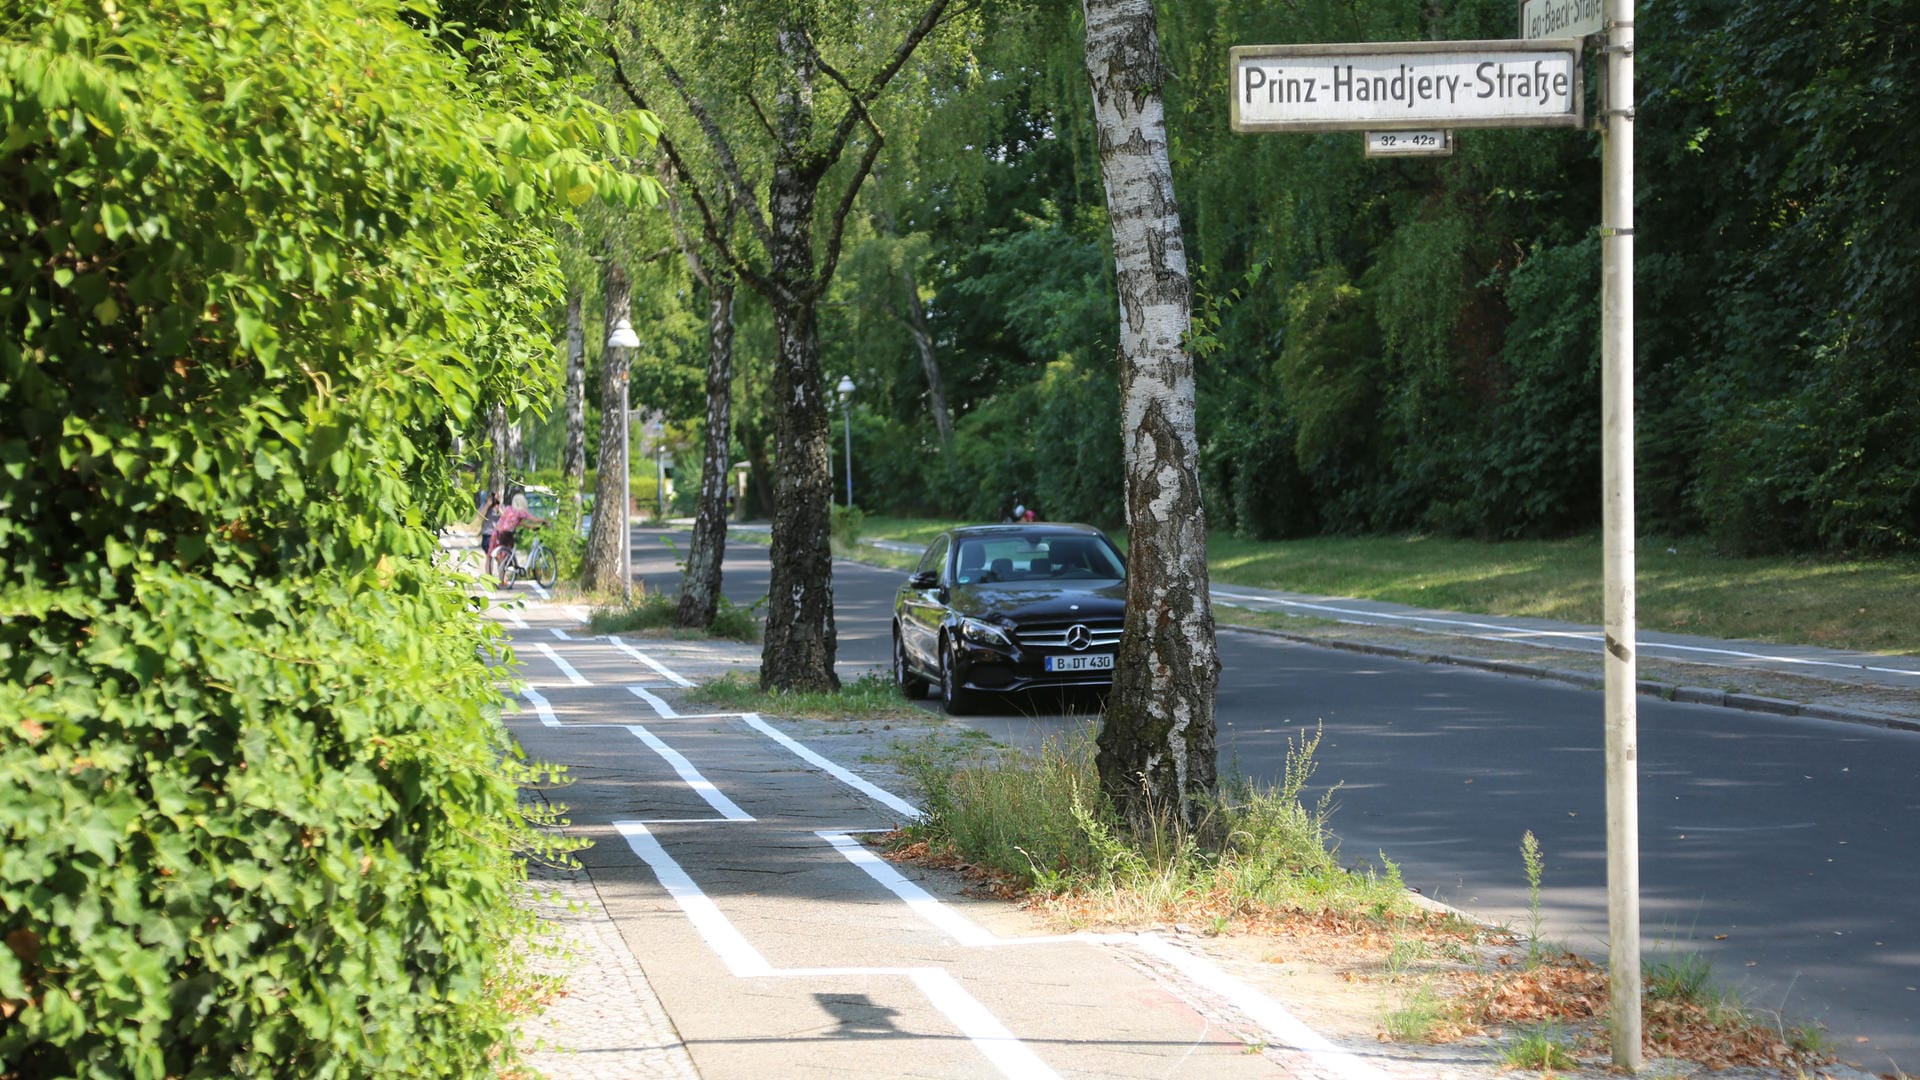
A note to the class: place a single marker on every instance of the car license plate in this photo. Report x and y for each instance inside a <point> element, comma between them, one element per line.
<point>1083,662</point>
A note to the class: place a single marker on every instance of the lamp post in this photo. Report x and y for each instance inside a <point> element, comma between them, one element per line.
<point>660,477</point>
<point>623,337</point>
<point>846,392</point>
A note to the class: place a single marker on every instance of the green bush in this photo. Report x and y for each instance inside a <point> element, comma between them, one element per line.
<point>257,813</point>
<point>848,523</point>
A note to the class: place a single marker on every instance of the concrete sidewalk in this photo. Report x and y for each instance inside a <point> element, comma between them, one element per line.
<point>728,922</point>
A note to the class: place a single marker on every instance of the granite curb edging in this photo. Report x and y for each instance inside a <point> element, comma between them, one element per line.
<point>1693,695</point>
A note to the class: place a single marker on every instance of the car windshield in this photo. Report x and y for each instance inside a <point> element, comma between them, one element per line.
<point>1035,560</point>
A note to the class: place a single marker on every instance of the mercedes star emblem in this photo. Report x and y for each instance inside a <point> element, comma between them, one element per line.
<point>1079,637</point>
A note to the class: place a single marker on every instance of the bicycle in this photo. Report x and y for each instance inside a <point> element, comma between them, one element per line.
<point>535,561</point>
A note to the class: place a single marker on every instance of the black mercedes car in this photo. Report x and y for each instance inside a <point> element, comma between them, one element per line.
<point>1001,608</point>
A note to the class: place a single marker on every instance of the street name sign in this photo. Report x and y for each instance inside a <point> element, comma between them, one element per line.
<point>1435,143</point>
<point>1561,18</point>
<point>1407,86</point>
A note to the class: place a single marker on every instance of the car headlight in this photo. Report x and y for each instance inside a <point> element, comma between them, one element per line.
<point>984,633</point>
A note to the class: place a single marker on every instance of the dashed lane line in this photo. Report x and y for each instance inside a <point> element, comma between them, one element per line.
<point>845,776</point>
<point>540,706</point>
<point>565,668</point>
<point>649,661</point>
<point>701,786</point>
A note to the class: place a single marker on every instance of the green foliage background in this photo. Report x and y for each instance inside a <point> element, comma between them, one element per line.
<point>1393,345</point>
<point>262,262</point>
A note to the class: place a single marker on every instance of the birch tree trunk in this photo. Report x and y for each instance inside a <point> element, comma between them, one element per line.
<point>700,585</point>
<point>497,452</point>
<point>801,641</point>
<point>1156,742</point>
<point>929,360</point>
<point>573,463</point>
<point>602,564</point>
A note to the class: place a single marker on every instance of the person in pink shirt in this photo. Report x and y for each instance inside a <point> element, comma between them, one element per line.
<point>510,520</point>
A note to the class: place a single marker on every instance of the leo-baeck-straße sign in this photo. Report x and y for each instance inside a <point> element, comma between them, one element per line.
<point>1407,85</point>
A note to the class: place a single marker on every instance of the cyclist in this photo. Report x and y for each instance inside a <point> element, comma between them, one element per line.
<point>510,521</point>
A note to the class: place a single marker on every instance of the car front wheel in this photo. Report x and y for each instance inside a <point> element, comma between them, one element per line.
<point>958,700</point>
<point>912,686</point>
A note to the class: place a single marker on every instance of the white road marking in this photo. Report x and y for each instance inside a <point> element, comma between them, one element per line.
<point>701,785</point>
<point>647,660</point>
<point>1515,633</point>
<point>565,668</point>
<point>1738,828</point>
<point>981,1027</point>
<point>561,634</point>
<point>543,594</point>
<point>540,706</point>
<point>952,923</point>
<point>659,706</point>
<point>515,621</point>
<point>1263,1010</point>
<point>579,613</point>
<point>872,791</point>
<point>987,1033</point>
<point>945,993</point>
<point>741,958</point>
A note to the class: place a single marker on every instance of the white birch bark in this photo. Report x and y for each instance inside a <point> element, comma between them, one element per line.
<point>603,562</point>
<point>1157,737</point>
<point>573,463</point>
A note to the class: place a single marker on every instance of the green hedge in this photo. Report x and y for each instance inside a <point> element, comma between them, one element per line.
<point>261,262</point>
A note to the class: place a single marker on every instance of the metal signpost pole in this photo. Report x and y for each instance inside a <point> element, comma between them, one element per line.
<point>621,341</point>
<point>845,389</point>
<point>626,494</point>
<point>1407,97</point>
<point>1616,413</point>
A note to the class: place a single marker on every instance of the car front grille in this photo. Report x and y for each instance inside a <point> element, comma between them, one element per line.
<point>1053,635</point>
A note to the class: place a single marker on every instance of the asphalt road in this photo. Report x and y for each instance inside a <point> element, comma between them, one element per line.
<point>1783,849</point>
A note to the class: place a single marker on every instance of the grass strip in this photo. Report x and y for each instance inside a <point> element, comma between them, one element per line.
<point>657,614</point>
<point>870,697</point>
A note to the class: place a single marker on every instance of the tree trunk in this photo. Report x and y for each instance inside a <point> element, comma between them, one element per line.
<point>1156,742</point>
<point>800,638</point>
<point>923,340</point>
<point>497,452</point>
<point>700,586</point>
<point>573,463</point>
<point>517,452</point>
<point>602,565</point>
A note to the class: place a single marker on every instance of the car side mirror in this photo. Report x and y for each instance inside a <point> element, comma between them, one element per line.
<point>923,579</point>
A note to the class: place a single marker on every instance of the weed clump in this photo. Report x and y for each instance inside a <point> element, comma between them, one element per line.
<point>1040,820</point>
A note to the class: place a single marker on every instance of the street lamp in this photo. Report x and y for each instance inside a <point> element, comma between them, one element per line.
<point>846,391</point>
<point>623,337</point>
